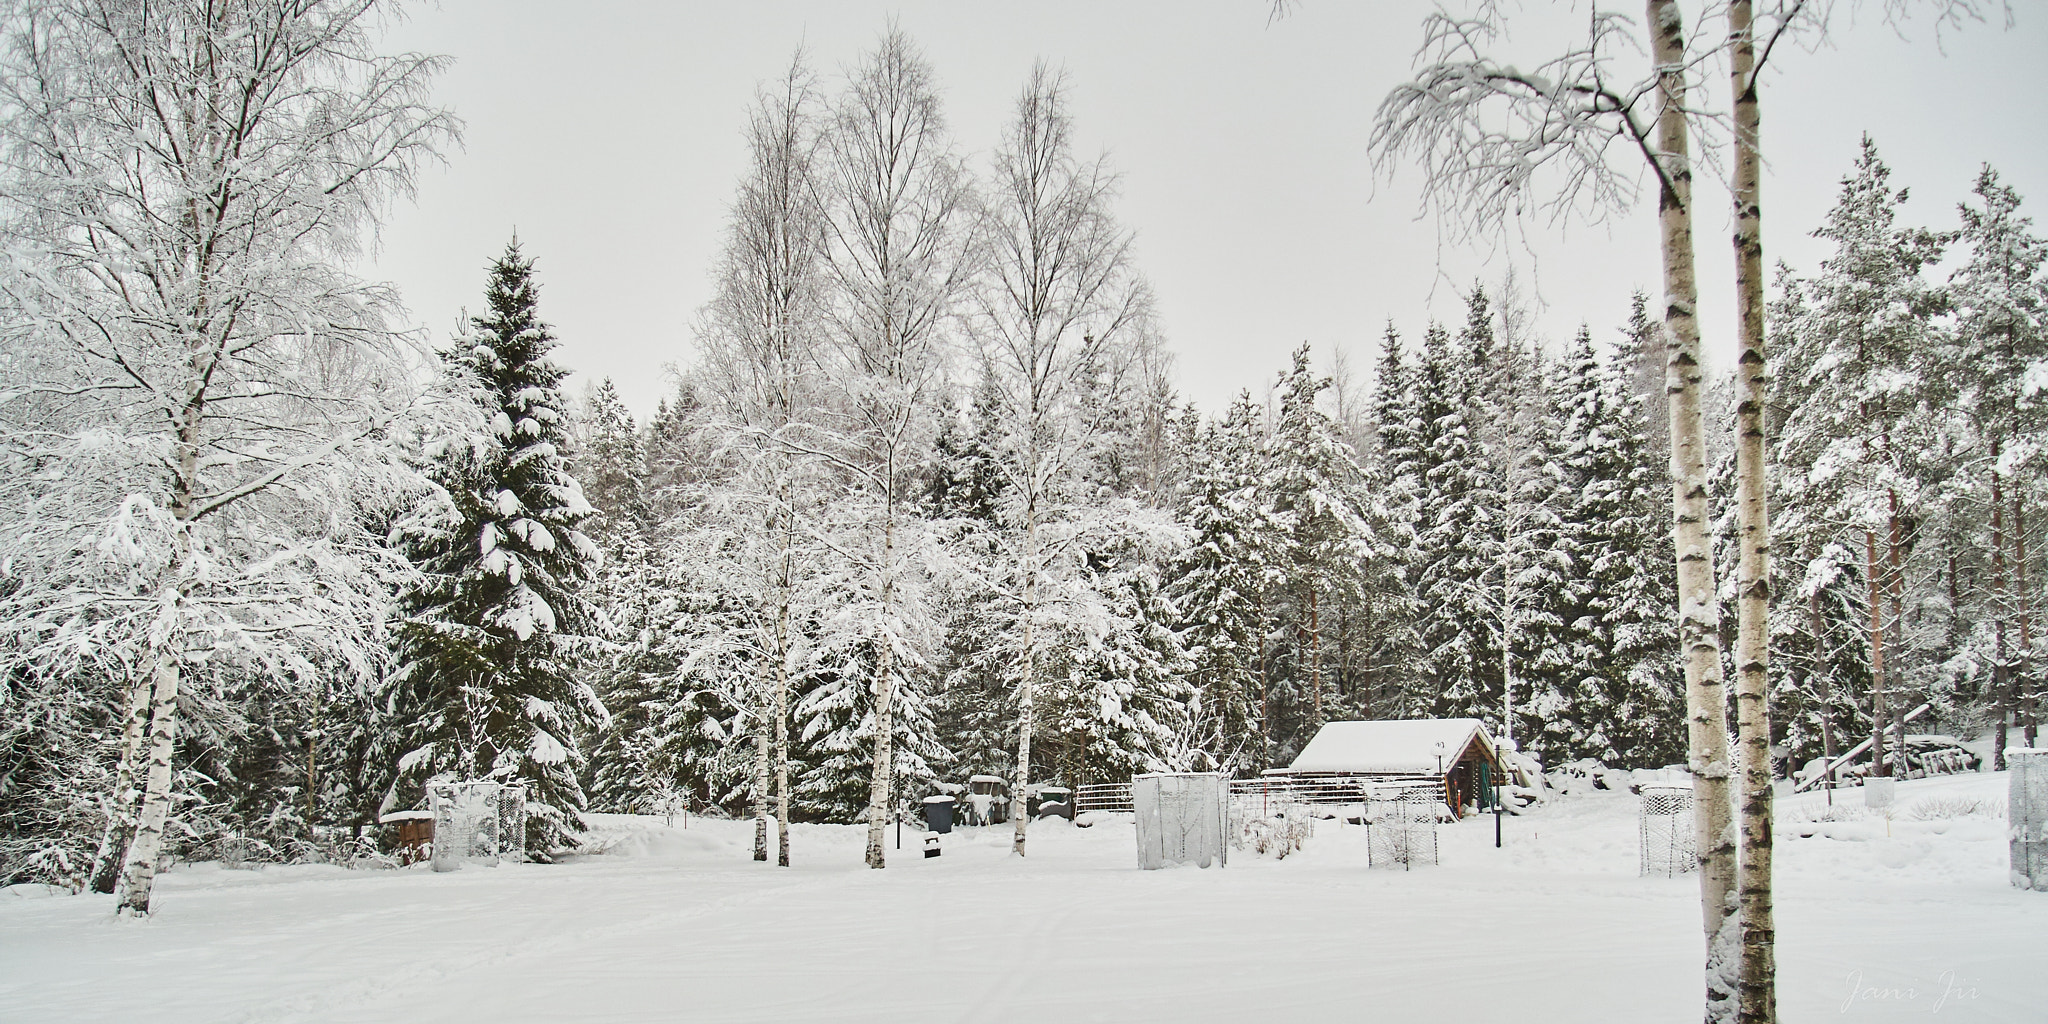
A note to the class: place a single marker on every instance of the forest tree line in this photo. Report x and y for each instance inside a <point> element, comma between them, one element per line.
<point>923,503</point>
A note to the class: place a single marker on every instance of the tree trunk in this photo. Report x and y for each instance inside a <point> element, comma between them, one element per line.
<point>1507,657</point>
<point>105,871</point>
<point>1827,690</point>
<point>1879,764</point>
<point>782,689</point>
<point>1699,615</point>
<point>138,874</point>
<point>1265,708</point>
<point>885,692</point>
<point>1315,658</point>
<point>2001,670</point>
<point>1025,689</point>
<point>2024,590</point>
<point>1758,980</point>
<point>761,761</point>
<point>1896,588</point>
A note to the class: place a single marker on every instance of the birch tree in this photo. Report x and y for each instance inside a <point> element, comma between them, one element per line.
<point>1058,298</point>
<point>761,360</point>
<point>182,180</point>
<point>1557,140</point>
<point>899,250</point>
<point>1746,63</point>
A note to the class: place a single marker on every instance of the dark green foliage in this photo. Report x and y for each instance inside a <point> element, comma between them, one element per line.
<point>488,683</point>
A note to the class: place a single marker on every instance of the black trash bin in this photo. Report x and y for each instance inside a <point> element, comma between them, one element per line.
<point>938,814</point>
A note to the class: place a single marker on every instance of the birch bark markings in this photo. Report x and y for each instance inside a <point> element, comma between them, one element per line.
<point>1699,618</point>
<point>1757,980</point>
<point>901,250</point>
<point>1058,295</point>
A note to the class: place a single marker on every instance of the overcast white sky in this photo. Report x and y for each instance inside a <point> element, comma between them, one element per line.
<point>608,133</point>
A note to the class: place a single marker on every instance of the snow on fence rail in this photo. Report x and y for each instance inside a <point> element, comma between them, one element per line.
<point>1266,795</point>
<point>1105,796</point>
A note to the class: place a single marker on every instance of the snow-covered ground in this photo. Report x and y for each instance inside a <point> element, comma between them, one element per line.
<point>681,925</point>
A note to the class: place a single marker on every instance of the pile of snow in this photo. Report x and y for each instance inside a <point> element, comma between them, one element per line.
<point>1587,775</point>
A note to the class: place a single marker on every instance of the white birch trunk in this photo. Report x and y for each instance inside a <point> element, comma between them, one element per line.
<point>138,876</point>
<point>1757,985</point>
<point>885,692</point>
<point>782,691</point>
<point>1025,691</point>
<point>107,860</point>
<point>761,762</point>
<point>1699,615</point>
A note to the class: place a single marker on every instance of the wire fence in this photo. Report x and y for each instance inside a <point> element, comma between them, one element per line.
<point>1400,825</point>
<point>1270,794</point>
<point>1664,827</point>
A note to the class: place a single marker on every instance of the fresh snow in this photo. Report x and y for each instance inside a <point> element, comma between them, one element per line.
<point>1409,747</point>
<point>1877,920</point>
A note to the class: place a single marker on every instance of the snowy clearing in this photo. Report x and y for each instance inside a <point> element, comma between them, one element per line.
<point>676,924</point>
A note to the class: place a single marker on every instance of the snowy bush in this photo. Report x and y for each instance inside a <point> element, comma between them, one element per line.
<point>1278,835</point>
<point>1936,808</point>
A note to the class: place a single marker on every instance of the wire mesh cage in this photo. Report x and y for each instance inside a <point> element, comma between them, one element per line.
<point>512,822</point>
<point>1181,819</point>
<point>1400,825</point>
<point>477,821</point>
<point>1664,824</point>
<point>2027,807</point>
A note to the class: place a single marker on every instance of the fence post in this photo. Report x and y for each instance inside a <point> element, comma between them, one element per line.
<point>2027,810</point>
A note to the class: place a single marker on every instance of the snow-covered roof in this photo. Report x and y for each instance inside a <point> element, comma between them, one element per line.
<point>1392,747</point>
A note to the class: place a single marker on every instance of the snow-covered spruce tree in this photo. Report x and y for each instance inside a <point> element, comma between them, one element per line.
<point>975,708</point>
<point>1221,583</point>
<point>1396,472</point>
<point>1534,589</point>
<point>201,394</point>
<point>1616,698</point>
<point>1115,695</point>
<point>898,256</point>
<point>1331,549</point>
<point>1460,538</point>
<point>491,642</point>
<point>610,462</point>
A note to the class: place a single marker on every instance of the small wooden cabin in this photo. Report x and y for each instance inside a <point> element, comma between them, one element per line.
<point>415,840</point>
<point>1457,753</point>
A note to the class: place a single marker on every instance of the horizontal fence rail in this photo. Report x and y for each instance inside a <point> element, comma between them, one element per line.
<point>1267,794</point>
<point>1105,796</point>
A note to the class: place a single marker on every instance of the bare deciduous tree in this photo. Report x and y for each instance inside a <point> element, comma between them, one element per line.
<point>1058,298</point>
<point>761,361</point>
<point>183,179</point>
<point>900,249</point>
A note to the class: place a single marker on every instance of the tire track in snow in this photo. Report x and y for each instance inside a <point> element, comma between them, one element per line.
<point>307,1008</point>
<point>995,1005</point>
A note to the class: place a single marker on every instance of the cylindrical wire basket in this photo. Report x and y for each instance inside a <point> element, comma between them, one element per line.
<point>1664,823</point>
<point>1400,826</point>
